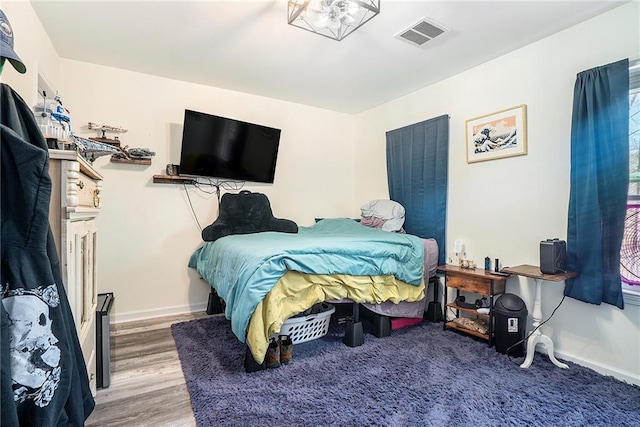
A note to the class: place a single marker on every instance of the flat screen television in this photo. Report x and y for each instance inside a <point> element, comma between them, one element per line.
<point>219,147</point>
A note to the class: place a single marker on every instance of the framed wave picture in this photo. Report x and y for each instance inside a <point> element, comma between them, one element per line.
<point>497,135</point>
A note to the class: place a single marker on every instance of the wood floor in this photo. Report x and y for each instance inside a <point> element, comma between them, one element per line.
<point>147,386</point>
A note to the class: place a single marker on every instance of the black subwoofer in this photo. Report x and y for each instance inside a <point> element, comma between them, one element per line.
<point>553,256</point>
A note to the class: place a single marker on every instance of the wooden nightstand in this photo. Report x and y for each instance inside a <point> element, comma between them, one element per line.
<point>476,281</point>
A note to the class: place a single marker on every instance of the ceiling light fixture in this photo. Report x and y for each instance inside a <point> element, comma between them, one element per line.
<point>335,19</point>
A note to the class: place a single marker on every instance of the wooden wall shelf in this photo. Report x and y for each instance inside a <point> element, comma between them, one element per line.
<point>173,179</point>
<point>145,162</point>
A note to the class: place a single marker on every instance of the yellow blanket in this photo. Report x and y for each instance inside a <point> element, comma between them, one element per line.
<point>295,292</point>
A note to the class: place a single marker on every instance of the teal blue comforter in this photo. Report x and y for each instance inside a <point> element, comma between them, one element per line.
<point>244,268</point>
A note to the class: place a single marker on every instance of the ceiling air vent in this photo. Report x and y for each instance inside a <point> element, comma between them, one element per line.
<point>421,32</point>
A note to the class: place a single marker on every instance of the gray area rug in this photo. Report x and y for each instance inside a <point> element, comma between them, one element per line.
<point>420,376</point>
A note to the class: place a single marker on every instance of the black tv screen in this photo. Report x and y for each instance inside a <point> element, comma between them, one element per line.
<point>219,147</point>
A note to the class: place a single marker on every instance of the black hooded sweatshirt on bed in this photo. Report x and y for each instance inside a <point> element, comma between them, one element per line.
<point>44,378</point>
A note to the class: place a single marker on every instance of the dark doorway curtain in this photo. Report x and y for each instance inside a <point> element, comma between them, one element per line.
<point>599,182</point>
<point>417,168</point>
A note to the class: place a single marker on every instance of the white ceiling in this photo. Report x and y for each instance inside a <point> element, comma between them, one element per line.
<point>247,46</point>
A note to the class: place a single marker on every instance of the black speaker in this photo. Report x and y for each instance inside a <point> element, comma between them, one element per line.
<point>553,256</point>
<point>434,311</point>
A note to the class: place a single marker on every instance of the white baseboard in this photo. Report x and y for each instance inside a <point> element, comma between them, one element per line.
<point>606,370</point>
<point>161,312</point>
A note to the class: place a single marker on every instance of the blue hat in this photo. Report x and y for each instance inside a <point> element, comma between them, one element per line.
<point>6,44</point>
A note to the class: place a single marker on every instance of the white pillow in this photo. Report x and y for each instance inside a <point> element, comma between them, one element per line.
<point>388,210</point>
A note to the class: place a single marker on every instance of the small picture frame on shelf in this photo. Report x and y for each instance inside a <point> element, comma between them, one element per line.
<point>172,169</point>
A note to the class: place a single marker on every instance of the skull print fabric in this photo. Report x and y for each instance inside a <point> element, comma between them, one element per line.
<point>35,357</point>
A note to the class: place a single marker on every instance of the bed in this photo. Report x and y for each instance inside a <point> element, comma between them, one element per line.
<point>265,278</point>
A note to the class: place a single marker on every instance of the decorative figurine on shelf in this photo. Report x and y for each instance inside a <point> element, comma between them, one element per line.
<point>134,153</point>
<point>104,129</point>
<point>91,150</point>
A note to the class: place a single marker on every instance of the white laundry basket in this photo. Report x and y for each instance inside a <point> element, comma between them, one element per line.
<point>307,328</point>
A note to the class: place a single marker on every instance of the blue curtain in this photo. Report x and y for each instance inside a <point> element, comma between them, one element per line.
<point>599,183</point>
<point>417,165</point>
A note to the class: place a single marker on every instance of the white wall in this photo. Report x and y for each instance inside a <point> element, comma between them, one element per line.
<point>503,208</point>
<point>147,231</point>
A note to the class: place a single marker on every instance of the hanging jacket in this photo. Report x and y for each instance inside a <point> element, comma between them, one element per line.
<point>43,376</point>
